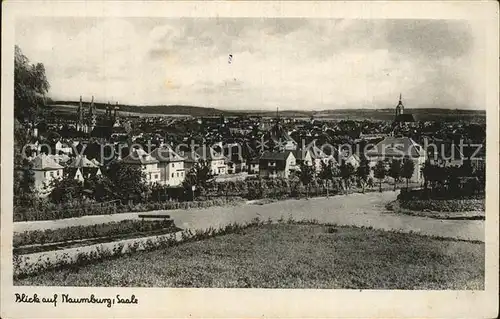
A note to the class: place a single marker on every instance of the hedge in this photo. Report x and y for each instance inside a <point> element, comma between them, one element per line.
<point>423,194</point>
<point>88,232</point>
<point>454,205</point>
<point>53,211</point>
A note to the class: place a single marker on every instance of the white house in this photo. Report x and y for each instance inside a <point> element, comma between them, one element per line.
<point>216,160</point>
<point>45,170</point>
<point>63,148</point>
<point>148,164</point>
<point>171,166</point>
<point>276,164</point>
<point>399,148</point>
<point>82,168</point>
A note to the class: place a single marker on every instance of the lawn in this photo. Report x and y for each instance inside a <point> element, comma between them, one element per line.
<point>291,256</point>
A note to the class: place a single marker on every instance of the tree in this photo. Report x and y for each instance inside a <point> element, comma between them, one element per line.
<point>346,172</point>
<point>102,188</point>
<point>328,172</point>
<point>65,190</point>
<point>379,173</point>
<point>395,171</point>
<point>128,181</point>
<point>407,170</point>
<point>427,171</point>
<point>363,171</point>
<point>306,176</point>
<point>30,87</point>
<point>198,176</point>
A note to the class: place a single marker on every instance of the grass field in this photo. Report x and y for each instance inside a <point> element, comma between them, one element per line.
<point>291,256</point>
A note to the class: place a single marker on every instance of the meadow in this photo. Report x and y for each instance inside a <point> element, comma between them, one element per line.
<point>290,255</point>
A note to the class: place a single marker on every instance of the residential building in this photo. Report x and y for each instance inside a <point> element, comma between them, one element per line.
<point>216,160</point>
<point>45,170</point>
<point>319,157</point>
<point>63,148</point>
<point>303,156</point>
<point>81,168</point>
<point>253,166</point>
<point>276,164</point>
<point>399,148</point>
<point>148,164</point>
<point>171,165</point>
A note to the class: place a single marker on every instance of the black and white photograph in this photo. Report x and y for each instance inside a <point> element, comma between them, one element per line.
<point>258,152</point>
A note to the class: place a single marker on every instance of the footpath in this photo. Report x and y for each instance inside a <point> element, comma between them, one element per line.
<point>355,210</point>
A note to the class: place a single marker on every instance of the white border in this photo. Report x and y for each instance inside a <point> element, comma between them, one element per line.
<point>156,302</point>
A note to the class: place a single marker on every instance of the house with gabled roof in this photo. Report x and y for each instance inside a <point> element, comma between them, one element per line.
<point>45,170</point>
<point>81,168</point>
<point>216,160</point>
<point>171,165</point>
<point>318,156</point>
<point>147,163</point>
<point>399,148</point>
<point>277,164</point>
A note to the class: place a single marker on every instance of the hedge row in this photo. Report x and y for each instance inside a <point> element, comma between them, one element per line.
<point>52,211</point>
<point>87,232</point>
<point>49,211</point>
<point>423,194</point>
<point>455,205</point>
<point>143,207</point>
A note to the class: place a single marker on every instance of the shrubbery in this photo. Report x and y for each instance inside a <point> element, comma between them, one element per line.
<point>44,210</point>
<point>454,205</point>
<point>419,194</point>
<point>88,232</point>
<point>49,211</point>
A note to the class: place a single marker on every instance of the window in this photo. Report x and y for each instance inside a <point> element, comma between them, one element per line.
<point>172,175</point>
<point>173,165</point>
<point>51,174</point>
<point>177,174</point>
<point>156,176</point>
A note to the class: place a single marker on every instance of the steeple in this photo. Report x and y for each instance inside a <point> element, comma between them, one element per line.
<point>400,107</point>
<point>91,111</point>
<point>80,111</point>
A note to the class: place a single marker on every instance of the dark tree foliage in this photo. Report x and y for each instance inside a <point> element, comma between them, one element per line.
<point>407,170</point>
<point>199,176</point>
<point>363,171</point>
<point>128,182</point>
<point>395,171</point>
<point>379,172</point>
<point>30,87</point>
<point>306,175</point>
<point>347,171</point>
<point>65,190</point>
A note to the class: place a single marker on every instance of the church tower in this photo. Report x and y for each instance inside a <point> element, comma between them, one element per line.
<point>79,122</point>
<point>400,108</point>
<point>92,116</point>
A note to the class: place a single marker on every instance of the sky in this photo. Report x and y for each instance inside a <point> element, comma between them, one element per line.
<point>260,63</point>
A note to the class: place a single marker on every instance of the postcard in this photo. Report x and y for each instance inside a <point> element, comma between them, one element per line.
<point>250,159</point>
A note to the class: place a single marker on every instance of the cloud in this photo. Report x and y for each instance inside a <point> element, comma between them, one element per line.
<point>291,63</point>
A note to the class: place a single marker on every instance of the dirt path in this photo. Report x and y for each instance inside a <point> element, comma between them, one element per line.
<point>355,209</point>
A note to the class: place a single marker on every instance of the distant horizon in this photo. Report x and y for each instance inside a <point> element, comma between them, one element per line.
<point>87,101</point>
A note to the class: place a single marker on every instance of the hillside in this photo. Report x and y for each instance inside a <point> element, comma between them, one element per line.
<point>150,109</point>
<point>420,114</point>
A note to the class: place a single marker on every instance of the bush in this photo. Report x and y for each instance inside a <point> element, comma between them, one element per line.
<point>88,232</point>
<point>455,205</point>
<point>407,195</point>
<point>49,211</point>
